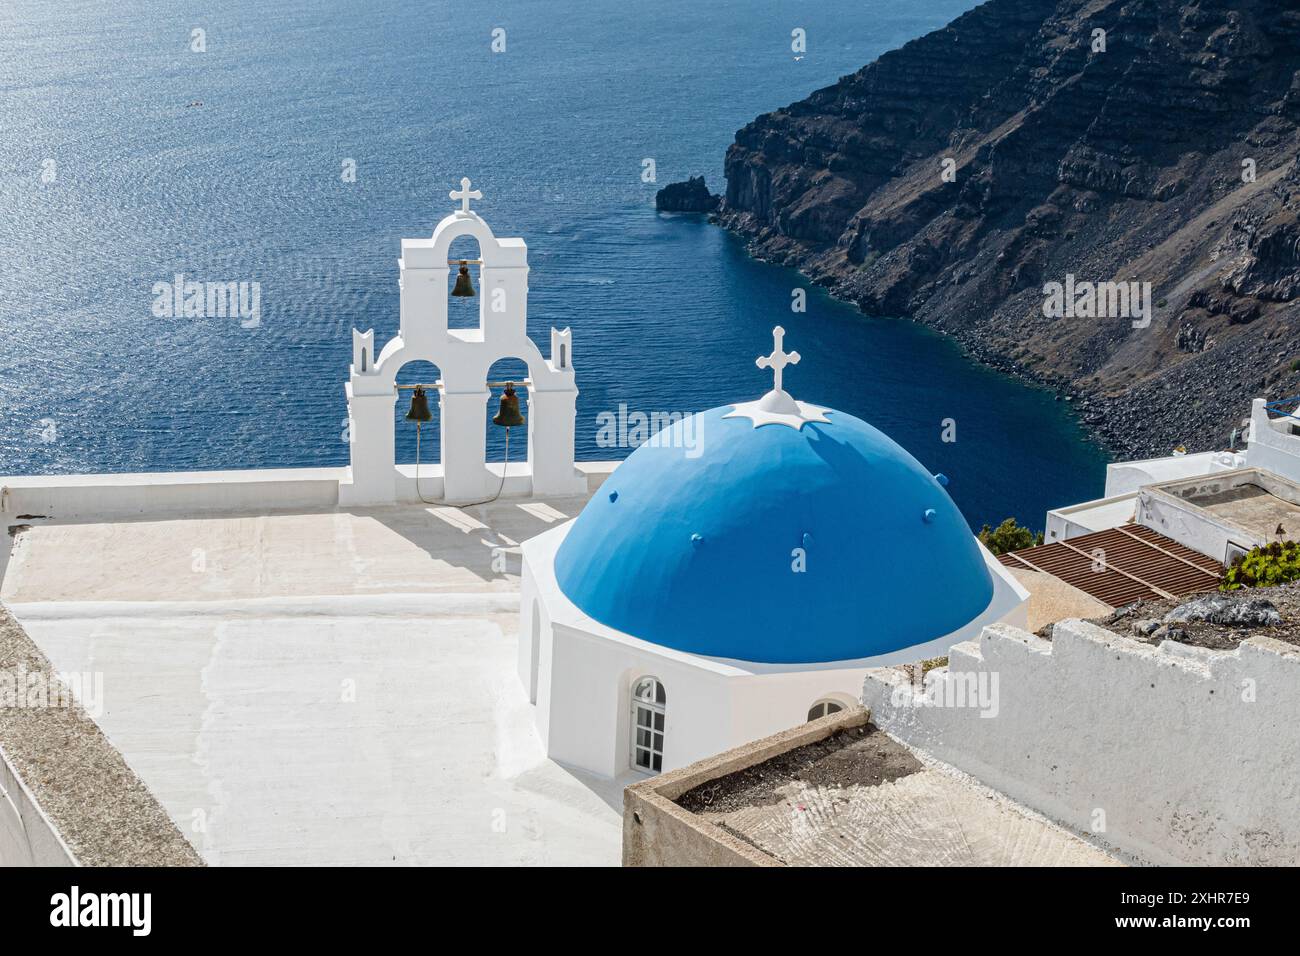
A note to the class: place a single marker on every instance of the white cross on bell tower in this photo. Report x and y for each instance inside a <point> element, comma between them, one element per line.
<point>465,195</point>
<point>779,359</point>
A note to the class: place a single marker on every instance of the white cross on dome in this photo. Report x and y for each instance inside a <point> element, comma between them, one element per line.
<point>777,407</point>
<point>779,359</point>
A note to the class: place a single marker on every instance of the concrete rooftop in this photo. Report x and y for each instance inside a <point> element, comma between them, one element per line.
<point>319,687</point>
<point>1256,509</point>
<point>861,798</point>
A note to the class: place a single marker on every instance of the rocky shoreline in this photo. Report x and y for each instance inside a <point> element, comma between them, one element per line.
<point>1141,422</point>
<point>1148,146</point>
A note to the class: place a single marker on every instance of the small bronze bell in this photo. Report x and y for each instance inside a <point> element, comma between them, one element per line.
<point>508,413</point>
<point>419,410</point>
<point>464,288</point>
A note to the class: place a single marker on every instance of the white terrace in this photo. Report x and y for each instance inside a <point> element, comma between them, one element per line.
<point>320,686</point>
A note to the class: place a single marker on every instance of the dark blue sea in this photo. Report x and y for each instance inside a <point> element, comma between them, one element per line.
<point>126,158</point>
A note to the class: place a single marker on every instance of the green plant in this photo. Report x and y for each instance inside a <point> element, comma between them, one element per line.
<point>931,663</point>
<point>1264,567</point>
<point>1008,536</point>
<point>1295,365</point>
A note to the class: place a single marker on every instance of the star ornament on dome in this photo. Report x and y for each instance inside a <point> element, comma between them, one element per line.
<point>777,407</point>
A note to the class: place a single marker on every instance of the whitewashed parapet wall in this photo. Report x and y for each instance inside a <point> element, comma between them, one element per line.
<point>1170,754</point>
<point>463,357</point>
<point>27,838</point>
<point>1273,442</point>
<point>172,494</point>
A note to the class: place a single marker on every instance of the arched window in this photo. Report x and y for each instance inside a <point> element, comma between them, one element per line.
<point>823,708</point>
<point>648,704</point>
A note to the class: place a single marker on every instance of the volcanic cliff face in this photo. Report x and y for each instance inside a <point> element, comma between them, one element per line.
<point>1161,151</point>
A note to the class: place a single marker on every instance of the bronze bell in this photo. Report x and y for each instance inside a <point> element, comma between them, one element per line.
<point>419,410</point>
<point>508,413</point>
<point>464,288</point>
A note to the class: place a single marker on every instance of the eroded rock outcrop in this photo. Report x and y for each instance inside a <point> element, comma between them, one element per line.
<point>690,196</point>
<point>954,177</point>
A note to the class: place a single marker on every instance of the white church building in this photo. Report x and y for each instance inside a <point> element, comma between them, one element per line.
<point>716,591</point>
<point>708,592</point>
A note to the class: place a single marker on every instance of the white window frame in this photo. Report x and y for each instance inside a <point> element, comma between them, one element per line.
<point>649,717</point>
<point>826,704</point>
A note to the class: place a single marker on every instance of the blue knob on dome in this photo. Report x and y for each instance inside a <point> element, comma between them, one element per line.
<point>928,517</point>
<point>942,479</point>
<point>613,496</point>
<point>697,539</point>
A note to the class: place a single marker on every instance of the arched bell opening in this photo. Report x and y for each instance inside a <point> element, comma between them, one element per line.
<point>507,370</point>
<point>464,284</point>
<point>409,415</point>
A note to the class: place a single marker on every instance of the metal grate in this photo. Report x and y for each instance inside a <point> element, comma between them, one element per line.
<point>1120,565</point>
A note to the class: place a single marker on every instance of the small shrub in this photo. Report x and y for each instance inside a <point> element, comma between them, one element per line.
<point>1008,536</point>
<point>931,663</point>
<point>1264,567</point>
<point>1295,365</point>
<point>916,672</point>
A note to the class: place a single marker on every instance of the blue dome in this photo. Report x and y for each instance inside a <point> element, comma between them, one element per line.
<point>694,548</point>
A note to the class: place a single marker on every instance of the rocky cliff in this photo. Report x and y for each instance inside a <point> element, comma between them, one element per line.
<point>1032,142</point>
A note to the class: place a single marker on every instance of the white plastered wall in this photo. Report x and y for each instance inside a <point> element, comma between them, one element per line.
<point>584,673</point>
<point>463,357</point>
<point>1272,444</point>
<point>1177,754</point>
<point>27,837</point>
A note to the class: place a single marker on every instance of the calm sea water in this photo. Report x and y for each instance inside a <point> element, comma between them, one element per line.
<point>114,178</point>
